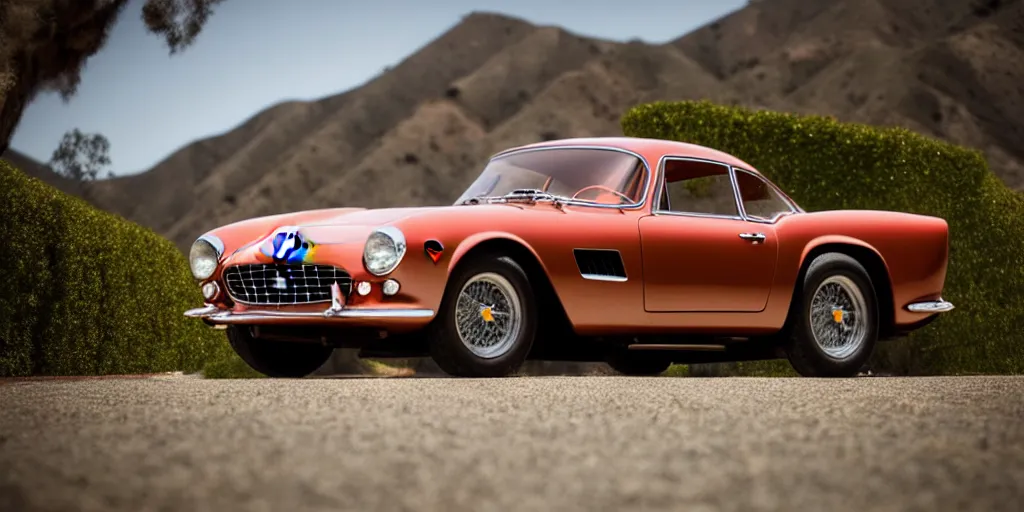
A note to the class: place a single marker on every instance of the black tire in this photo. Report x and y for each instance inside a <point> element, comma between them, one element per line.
<point>277,358</point>
<point>446,345</point>
<point>808,357</point>
<point>638,363</point>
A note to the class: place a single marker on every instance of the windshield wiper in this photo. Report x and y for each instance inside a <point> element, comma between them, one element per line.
<point>534,195</point>
<point>520,194</point>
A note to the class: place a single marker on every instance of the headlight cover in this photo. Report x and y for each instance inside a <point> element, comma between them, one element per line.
<point>384,250</point>
<point>204,255</point>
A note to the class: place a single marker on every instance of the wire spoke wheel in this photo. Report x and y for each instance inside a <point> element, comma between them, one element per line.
<point>488,315</point>
<point>838,317</point>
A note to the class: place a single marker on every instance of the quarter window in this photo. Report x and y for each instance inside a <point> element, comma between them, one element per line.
<point>760,200</point>
<point>698,187</point>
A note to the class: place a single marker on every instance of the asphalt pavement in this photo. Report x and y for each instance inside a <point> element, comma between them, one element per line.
<point>529,443</point>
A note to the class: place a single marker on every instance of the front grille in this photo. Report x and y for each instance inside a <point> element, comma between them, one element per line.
<point>284,284</point>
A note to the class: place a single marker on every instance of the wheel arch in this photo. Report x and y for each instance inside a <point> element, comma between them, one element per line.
<point>519,250</point>
<point>866,255</point>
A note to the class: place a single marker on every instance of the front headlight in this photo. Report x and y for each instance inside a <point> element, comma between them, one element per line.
<point>384,250</point>
<point>204,256</point>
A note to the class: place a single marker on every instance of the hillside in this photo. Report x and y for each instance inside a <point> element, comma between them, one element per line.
<point>420,132</point>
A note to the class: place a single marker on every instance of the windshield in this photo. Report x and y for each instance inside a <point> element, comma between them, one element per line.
<point>599,176</point>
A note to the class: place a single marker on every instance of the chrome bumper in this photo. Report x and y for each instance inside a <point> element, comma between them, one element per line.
<point>932,306</point>
<point>223,316</point>
<point>337,309</point>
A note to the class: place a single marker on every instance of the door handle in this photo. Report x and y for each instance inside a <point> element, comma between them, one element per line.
<point>753,237</point>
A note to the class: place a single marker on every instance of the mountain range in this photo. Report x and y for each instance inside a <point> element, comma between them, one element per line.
<point>420,132</point>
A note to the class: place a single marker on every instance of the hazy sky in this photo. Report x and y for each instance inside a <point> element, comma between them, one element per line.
<point>255,53</point>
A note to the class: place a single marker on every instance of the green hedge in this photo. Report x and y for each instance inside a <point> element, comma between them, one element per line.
<point>826,165</point>
<point>89,293</point>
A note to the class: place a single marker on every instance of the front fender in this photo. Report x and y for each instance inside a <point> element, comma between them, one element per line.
<point>472,241</point>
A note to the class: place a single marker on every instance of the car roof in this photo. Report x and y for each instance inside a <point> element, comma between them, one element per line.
<point>651,149</point>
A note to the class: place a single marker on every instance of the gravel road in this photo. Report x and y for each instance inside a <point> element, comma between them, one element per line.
<point>548,443</point>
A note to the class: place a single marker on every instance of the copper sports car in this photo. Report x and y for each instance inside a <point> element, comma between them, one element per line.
<point>636,252</point>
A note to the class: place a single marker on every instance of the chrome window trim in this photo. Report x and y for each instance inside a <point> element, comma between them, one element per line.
<point>577,202</point>
<point>656,210</point>
<point>700,215</point>
<point>739,198</point>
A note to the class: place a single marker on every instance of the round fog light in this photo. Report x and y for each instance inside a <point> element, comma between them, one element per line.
<point>210,290</point>
<point>363,288</point>
<point>390,287</point>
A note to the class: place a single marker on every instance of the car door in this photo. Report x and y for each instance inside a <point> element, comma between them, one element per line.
<point>699,252</point>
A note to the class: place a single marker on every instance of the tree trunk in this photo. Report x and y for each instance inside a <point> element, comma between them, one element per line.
<point>52,53</point>
<point>14,103</point>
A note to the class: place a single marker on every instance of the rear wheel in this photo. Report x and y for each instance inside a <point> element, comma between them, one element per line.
<point>837,323</point>
<point>487,320</point>
<point>638,363</point>
<point>277,358</point>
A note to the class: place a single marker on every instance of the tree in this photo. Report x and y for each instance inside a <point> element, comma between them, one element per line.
<point>44,44</point>
<point>80,156</point>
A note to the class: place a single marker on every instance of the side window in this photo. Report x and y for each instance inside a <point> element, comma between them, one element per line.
<point>698,187</point>
<point>760,200</point>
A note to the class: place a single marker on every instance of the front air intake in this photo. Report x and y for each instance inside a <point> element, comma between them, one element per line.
<point>277,285</point>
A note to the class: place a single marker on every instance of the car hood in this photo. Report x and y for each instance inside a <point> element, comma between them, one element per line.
<point>352,226</point>
<point>335,226</point>
<point>362,217</point>
<point>325,226</point>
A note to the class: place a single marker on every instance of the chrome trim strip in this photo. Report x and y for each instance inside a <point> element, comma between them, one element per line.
<point>601,277</point>
<point>933,306</point>
<point>217,315</point>
<point>701,215</point>
<point>577,202</point>
<point>736,193</point>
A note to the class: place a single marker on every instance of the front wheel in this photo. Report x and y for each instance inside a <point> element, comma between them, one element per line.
<point>277,358</point>
<point>487,320</point>
<point>837,322</point>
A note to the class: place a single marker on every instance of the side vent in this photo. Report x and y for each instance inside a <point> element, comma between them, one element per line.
<point>600,264</point>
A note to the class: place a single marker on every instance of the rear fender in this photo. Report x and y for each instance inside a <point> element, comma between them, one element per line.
<point>878,271</point>
<point>837,239</point>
